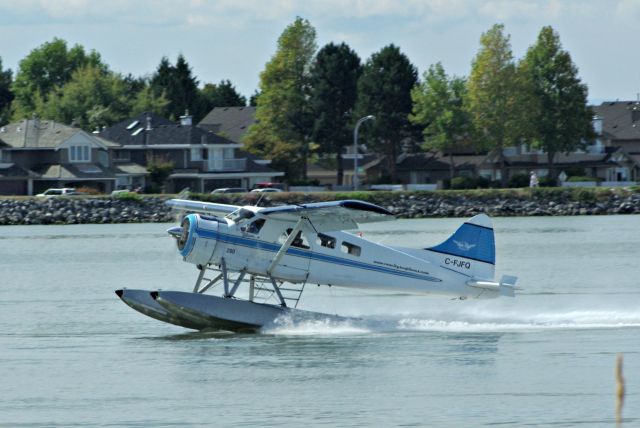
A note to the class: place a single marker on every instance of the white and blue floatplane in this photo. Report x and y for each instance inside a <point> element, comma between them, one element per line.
<point>275,251</point>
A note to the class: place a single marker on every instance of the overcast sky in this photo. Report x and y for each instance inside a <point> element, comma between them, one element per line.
<point>233,39</point>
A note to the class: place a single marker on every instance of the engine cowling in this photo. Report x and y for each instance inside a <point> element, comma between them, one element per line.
<point>196,238</point>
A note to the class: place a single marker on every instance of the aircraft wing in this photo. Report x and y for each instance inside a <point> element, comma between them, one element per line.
<point>331,216</point>
<point>202,207</point>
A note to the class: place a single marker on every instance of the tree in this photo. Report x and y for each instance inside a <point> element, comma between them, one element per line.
<point>563,119</point>
<point>384,90</point>
<point>146,100</point>
<point>223,94</point>
<point>496,104</point>
<point>283,120</point>
<point>6,95</point>
<point>92,98</point>
<point>160,168</point>
<point>438,106</point>
<point>178,86</point>
<point>334,88</point>
<point>46,68</point>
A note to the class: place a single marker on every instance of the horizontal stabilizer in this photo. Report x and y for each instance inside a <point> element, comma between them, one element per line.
<point>506,286</point>
<point>509,280</point>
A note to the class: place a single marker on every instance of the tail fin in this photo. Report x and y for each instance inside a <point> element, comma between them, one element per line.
<point>471,249</point>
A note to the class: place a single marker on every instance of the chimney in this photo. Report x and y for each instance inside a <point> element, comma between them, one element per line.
<point>186,119</point>
<point>635,113</point>
<point>597,124</point>
<point>148,128</point>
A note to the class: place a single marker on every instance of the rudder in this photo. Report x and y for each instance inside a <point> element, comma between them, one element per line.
<point>471,249</point>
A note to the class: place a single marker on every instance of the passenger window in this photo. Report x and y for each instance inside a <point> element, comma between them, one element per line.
<point>326,240</point>
<point>299,241</point>
<point>256,226</point>
<point>349,248</point>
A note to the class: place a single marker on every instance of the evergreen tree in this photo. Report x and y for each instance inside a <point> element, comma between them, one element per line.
<point>6,95</point>
<point>384,90</point>
<point>438,107</point>
<point>223,94</point>
<point>283,120</point>
<point>46,68</point>
<point>496,99</point>
<point>334,87</point>
<point>178,86</point>
<point>563,119</point>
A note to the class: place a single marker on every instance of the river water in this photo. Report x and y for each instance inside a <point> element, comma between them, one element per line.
<point>72,354</point>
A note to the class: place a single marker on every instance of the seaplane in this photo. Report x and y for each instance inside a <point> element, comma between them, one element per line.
<point>271,253</point>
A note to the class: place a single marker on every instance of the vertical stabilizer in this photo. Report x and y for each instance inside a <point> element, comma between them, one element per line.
<point>471,249</point>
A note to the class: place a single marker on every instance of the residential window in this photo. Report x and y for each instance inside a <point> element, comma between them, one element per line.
<point>228,153</point>
<point>122,155</point>
<point>5,156</point>
<point>349,248</point>
<point>79,154</point>
<point>196,154</point>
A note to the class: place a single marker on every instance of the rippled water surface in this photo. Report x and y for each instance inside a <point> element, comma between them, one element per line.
<point>72,354</point>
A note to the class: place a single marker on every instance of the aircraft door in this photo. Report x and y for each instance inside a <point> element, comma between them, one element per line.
<point>295,264</point>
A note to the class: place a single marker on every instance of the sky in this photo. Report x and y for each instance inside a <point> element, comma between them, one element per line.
<point>233,39</point>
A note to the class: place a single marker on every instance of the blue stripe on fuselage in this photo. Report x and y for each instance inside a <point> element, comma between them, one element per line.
<point>268,246</point>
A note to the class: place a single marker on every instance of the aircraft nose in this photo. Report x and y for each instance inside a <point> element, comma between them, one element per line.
<point>119,293</point>
<point>175,231</point>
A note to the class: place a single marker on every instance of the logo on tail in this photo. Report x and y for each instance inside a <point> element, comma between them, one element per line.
<point>463,246</point>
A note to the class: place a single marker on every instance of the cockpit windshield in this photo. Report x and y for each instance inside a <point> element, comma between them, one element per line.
<point>240,215</point>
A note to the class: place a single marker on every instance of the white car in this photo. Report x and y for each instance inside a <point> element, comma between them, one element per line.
<point>64,191</point>
<point>266,190</point>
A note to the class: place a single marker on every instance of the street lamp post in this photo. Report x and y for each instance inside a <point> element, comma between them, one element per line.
<point>355,149</point>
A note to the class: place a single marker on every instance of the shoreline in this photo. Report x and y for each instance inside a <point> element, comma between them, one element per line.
<point>495,203</point>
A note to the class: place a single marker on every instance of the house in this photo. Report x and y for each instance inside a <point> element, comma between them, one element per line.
<point>325,172</point>
<point>434,167</point>
<point>202,161</point>
<point>229,122</point>
<point>38,154</point>
<point>617,124</point>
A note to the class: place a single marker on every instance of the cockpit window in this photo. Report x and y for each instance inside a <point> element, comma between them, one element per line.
<point>326,240</point>
<point>256,226</point>
<point>240,215</point>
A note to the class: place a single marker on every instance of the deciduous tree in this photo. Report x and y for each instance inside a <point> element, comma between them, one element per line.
<point>46,68</point>
<point>563,120</point>
<point>283,120</point>
<point>92,98</point>
<point>438,107</point>
<point>496,102</point>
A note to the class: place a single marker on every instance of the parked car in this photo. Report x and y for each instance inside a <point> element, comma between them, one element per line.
<point>65,191</point>
<point>230,190</point>
<point>266,190</point>
<point>270,185</point>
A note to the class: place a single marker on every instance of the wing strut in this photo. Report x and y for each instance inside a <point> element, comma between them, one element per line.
<point>283,250</point>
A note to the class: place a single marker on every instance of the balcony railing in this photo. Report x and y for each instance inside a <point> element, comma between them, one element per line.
<point>226,164</point>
